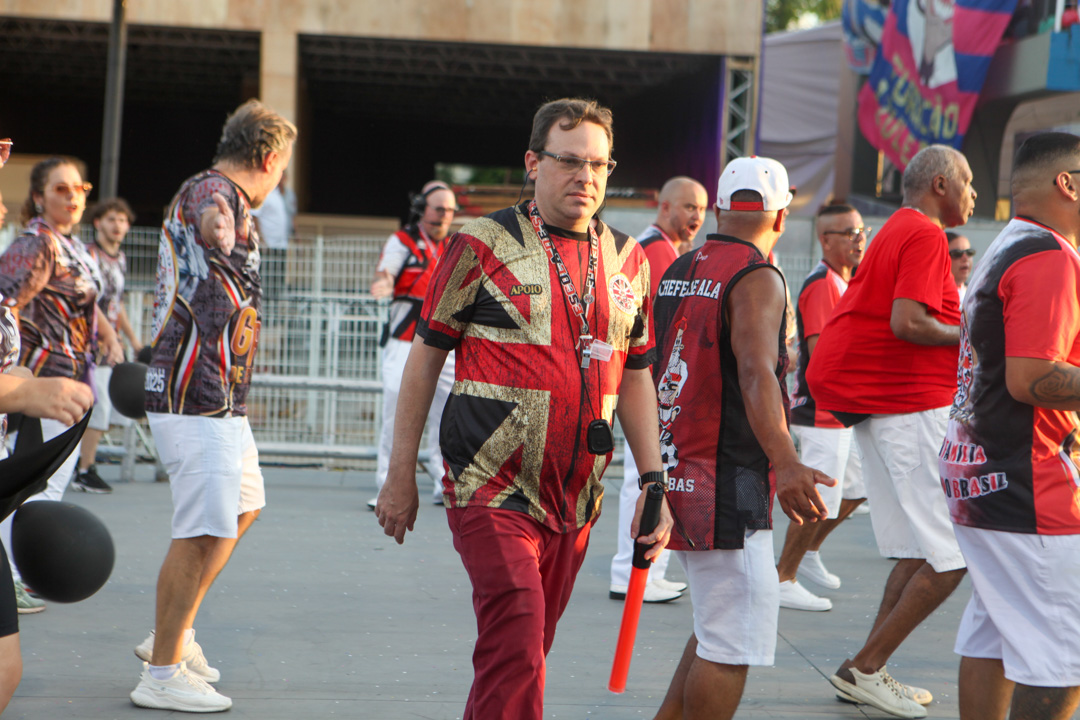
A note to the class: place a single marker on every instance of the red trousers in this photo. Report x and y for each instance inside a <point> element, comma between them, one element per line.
<point>522,574</point>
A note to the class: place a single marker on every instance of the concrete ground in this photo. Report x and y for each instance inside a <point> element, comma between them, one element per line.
<point>320,615</point>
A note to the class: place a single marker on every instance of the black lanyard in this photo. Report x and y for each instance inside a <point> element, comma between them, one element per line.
<point>580,306</point>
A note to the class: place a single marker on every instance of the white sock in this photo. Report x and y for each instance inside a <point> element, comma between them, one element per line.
<point>811,553</point>
<point>163,672</point>
<point>189,635</point>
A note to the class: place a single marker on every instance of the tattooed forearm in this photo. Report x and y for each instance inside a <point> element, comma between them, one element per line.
<point>1060,385</point>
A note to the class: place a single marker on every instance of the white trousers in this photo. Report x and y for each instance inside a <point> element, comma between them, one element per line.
<point>394,356</point>
<point>624,555</point>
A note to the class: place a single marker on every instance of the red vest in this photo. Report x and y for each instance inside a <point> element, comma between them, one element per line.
<point>719,479</point>
<point>410,285</point>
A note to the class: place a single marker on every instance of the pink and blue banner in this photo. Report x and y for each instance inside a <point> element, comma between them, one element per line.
<point>928,72</point>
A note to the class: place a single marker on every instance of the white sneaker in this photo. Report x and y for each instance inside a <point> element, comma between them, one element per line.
<point>911,692</point>
<point>794,596</point>
<point>371,503</point>
<point>191,654</point>
<point>812,569</point>
<point>184,691</point>
<point>880,690</point>
<point>653,594</point>
<point>665,584</point>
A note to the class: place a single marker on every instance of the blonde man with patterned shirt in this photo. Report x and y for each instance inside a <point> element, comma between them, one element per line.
<point>206,325</point>
<point>683,202</point>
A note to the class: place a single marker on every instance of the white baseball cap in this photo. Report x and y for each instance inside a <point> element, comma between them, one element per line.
<point>763,175</point>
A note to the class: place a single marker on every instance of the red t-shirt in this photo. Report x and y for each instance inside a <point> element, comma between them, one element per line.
<point>660,250</point>
<point>859,365</point>
<point>821,291</point>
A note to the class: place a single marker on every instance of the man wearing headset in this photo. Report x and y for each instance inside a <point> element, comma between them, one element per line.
<point>405,268</point>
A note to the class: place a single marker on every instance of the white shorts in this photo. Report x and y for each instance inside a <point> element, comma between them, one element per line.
<point>736,599</point>
<point>213,469</point>
<point>1025,604</point>
<point>907,506</point>
<point>104,415</point>
<point>832,451</point>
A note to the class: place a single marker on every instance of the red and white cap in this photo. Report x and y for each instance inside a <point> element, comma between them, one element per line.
<point>763,175</point>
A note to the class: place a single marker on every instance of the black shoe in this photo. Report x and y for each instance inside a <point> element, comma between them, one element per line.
<point>91,482</point>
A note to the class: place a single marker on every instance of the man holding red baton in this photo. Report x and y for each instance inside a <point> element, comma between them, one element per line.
<point>550,317</point>
<point>724,437</point>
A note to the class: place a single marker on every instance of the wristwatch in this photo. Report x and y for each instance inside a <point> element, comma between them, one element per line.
<point>659,476</point>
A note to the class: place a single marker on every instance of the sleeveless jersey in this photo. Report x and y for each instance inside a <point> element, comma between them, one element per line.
<point>1006,465</point>
<point>719,479</point>
<point>411,280</point>
<point>206,307</point>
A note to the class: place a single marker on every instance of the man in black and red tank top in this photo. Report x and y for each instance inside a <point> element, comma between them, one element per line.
<point>683,202</point>
<point>720,330</point>
<point>1010,463</point>
<point>405,268</point>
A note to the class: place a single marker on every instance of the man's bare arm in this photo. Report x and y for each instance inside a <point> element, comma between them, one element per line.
<point>383,285</point>
<point>128,330</point>
<point>398,501</point>
<point>108,341</point>
<point>1043,383</point>
<point>911,321</point>
<point>638,418</point>
<point>756,307</point>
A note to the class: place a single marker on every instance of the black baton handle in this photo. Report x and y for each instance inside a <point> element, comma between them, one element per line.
<point>650,517</point>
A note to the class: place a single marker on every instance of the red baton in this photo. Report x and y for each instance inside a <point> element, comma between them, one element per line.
<point>635,591</point>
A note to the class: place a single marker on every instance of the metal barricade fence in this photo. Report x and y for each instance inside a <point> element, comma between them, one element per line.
<point>317,389</point>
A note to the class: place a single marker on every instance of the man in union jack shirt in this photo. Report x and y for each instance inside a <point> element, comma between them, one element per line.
<point>551,322</point>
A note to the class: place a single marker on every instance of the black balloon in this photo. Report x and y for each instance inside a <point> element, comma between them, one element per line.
<point>63,551</point>
<point>143,355</point>
<point>127,389</point>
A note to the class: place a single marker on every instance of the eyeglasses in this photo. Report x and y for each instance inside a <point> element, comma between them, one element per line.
<point>957,254</point>
<point>5,150</point>
<point>76,189</point>
<point>852,234</point>
<point>572,164</point>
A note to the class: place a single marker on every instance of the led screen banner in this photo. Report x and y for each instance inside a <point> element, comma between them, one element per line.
<point>928,72</point>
